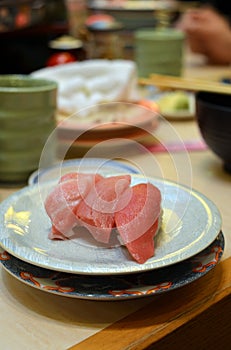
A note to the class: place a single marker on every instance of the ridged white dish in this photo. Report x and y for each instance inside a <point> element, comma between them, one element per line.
<point>190,223</point>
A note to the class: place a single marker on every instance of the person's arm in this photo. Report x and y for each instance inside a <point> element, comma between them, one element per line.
<point>208,33</point>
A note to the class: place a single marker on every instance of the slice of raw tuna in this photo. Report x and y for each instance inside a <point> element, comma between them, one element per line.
<point>85,177</point>
<point>137,223</point>
<point>142,248</point>
<point>61,203</point>
<point>56,234</point>
<point>96,211</point>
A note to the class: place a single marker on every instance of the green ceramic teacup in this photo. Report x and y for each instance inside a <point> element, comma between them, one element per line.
<point>27,118</point>
<point>159,51</point>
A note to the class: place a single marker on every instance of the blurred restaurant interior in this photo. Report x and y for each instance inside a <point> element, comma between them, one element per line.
<point>28,27</point>
<point>115,89</point>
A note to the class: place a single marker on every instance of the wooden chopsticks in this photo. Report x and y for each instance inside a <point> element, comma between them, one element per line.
<point>167,82</point>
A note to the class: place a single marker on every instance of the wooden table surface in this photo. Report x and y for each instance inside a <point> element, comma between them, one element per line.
<point>196,315</point>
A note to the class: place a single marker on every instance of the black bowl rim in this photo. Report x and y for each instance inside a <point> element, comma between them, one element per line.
<point>200,100</point>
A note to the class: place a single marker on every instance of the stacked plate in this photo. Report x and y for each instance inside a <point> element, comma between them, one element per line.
<point>99,103</point>
<point>189,244</point>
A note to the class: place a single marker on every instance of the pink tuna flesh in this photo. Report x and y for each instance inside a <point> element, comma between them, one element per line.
<point>96,211</point>
<point>61,203</point>
<point>137,223</point>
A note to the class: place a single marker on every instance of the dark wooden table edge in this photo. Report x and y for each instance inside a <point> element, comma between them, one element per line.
<point>196,315</point>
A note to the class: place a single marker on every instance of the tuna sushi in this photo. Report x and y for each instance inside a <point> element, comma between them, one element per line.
<point>62,202</point>
<point>106,206</point>
<point>138,222</point>
<point>96,211</point>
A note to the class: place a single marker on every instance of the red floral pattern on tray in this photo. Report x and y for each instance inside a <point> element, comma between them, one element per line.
<point>115,287</point>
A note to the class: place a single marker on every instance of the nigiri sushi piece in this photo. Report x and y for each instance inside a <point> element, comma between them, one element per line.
<point>61,203</point>
<point>138,222</point>
<point>96,211</point>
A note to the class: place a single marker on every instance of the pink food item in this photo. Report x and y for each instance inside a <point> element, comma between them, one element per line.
<point>61,203</point>
<point>137,223</point>
<point>84,179</point>
<point>102,204</point>
<point>96,211</point>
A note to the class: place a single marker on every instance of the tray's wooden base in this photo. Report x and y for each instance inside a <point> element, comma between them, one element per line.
<point>196,316</point>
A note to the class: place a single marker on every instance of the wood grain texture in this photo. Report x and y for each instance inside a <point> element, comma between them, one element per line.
<point>165,82</point>
<point>193,314</point>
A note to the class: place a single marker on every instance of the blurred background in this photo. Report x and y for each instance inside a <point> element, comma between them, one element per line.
<point>28,29</point>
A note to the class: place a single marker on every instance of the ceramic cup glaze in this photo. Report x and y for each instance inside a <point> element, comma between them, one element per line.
<point>159,51</point>
<point>27,118</point>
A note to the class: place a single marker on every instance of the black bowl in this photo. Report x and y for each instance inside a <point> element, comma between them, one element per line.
<point>213,112</point>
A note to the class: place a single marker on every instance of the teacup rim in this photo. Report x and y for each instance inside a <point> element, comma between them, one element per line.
<point>43,83</point>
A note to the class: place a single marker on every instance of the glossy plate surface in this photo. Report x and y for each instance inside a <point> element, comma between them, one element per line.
<point>190,223</point>
<point>117,287</point>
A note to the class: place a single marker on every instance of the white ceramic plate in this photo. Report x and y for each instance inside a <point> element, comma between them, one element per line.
<point>190,223</point>
<point>102,165</point>
<point>111,120</point>
<point>116,287</point>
